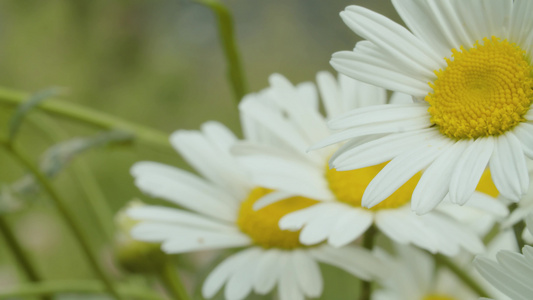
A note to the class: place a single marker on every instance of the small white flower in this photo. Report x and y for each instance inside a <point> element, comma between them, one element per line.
<point>291,114</point>
<point>468,65</point>
<point>217,214</point>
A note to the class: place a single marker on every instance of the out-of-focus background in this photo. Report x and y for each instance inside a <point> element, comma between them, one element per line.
<point>157,63</point>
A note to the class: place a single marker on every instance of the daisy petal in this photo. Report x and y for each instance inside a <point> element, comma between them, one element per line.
<point>521,22</point>
<point>351,224</point>
<point>524,133</point>
<point>508,167</point>
<point>469,169</point>
<point>214,164</point>
<point>401,169</point>
<point>308,274</point>
<point>240,282</point>
<point>434,183</point>
<point>267,272</point>
<point>395,39</point>
<point>176,216</point>
<point>180,187</point>
<point>318,228</point>
<point>369,69</point>
<point>296,220</point>
<point>494,274</point>
<point>436,22</point>
<point>378,114</point>
<point>381,150</point>
<point>288,288</point>
<point>216,279</point>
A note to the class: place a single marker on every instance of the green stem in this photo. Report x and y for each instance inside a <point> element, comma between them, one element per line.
<point>169,276</point>
<point>518,228</point>
<point>18,253</point>
<point>73,286</point>
<point>368,243</point>
<point>461,274</point>
<point>60,203</point>
<point>493,232</point>
<point>84,177</point>
<point>88,116</point>
<point>227,38</point>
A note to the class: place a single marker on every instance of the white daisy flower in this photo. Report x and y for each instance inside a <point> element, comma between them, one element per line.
<point>468,65</point>
<point>413,275</point>
<point>217,214</point>
<point>512,272</point>
<point>291,113</point>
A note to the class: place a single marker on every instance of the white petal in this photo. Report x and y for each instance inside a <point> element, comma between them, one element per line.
<point>381,128</point>
<point>296,220</point>
<point>350,226</point>
<point>382,149</point>
<point>217,165</point>
<point>216,279</point>
<point>354,260</point>
<point>177,216</point>
<point>267,272</point>
<point>219,135</point>
<point>469,169</point>
<point>436,22</point>
<point>451,233</point>
<point>306,118</point>
<point>401,169</point>
<point>395,39</point>
<point>400,98</point>
<point>318,228</point>
<point>329,91</point>
<point>520,22</point>
<point>488,204</point>
<point>516,266</point>
<point>307,273</point>
<point>179,239</point>
<point>240,282</point>
<point>288,288</point>
<point>508,167</point>
<point>435,181</point>
<point>271,198</point>
<point>524,132</point>
<point>268,168</point>
<point>368,69</point>
<point>404,227</point>
<point>282,131</point>
<point>494,274</point>
<point>184,189</point>
<point>376,114</point>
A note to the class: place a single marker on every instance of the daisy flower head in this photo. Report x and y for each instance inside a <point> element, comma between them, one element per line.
<point>468,66</point>
<point>216,213</point>
<point>511,273</point>
<point>292,118</point>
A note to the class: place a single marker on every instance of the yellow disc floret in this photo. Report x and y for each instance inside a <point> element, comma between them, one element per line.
<point>437,297</point>
<point>484,90</point>
<point>349,186</point>
<point>262,225</point>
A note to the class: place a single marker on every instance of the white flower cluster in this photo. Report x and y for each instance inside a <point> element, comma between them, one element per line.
<point>424,137</point>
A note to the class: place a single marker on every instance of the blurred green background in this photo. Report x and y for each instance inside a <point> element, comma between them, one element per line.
<point>157,63</point>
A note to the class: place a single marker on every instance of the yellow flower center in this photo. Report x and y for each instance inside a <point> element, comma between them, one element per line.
<point>485,90</point>
<point>349,186</point>
<point>437,297</point>
<point>262,224</point>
